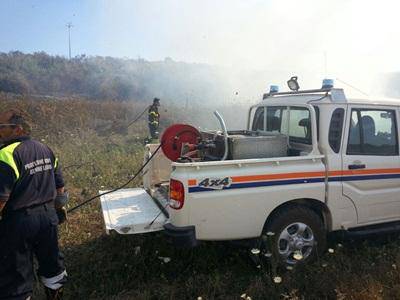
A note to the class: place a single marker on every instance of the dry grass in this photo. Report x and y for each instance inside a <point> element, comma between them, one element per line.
<point>129,267</point>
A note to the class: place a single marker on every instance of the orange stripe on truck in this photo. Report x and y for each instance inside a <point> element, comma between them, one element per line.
<point>262,177</point>
<point>192,182</point>
<point>277,176</point>
<point>364,172</point>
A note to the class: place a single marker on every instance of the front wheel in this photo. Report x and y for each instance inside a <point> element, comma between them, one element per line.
<point>295,234</point>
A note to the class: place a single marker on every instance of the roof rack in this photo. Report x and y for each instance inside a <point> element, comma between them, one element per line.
<point>266,95</point>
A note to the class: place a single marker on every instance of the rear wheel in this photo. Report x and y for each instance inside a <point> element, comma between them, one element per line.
<point>294,235</point>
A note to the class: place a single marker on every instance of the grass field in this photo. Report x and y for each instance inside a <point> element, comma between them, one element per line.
<point>147,267</point>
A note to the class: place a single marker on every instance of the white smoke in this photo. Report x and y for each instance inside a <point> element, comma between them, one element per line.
<point>353,40</point>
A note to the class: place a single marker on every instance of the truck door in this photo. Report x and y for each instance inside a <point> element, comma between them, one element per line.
<point>370,164</point>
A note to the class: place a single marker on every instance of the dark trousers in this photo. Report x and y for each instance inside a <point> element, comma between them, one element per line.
<point>25,233</point>
<point>153,130</point>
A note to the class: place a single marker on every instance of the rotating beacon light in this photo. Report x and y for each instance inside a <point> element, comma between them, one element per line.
<point>273,89</point>
<point>327,83</point>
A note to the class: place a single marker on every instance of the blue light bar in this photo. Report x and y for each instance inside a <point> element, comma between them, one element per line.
<point>273,89</point>
<point>327,83</point>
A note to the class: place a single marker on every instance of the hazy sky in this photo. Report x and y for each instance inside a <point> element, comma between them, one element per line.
<point>359,38</point>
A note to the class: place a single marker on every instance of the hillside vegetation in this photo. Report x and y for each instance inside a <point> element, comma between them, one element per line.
<point>107,78</point>
<point>104,78</point>
<point>97,151</point>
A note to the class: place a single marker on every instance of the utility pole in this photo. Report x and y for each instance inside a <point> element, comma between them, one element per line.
<point>69,25</point>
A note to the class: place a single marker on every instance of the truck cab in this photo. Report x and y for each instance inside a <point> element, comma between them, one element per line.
<point>309,163</point>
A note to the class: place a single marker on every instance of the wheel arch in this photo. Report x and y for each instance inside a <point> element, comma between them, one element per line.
<point>316,206</point>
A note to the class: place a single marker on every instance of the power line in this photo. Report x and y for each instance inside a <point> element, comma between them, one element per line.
<point>120,187</point>
<point>352,86</point>
<point>69,25</point>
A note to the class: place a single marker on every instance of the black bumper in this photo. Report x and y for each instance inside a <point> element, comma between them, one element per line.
<point>184,237</point>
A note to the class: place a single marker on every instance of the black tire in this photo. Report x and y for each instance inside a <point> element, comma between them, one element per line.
<point>286,225</point>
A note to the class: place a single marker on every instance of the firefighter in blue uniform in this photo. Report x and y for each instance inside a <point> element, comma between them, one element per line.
<point>154,118</point>
<point>32,200</point>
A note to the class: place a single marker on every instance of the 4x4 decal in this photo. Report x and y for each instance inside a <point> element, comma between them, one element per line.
<point>216,183</point>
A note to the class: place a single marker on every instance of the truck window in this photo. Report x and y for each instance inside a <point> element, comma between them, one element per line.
<point>300,125</point>
<point>335,129</point>
<point>299,130</point>
<point>372,132</point>
<point>258,121</point>
<point>276,116</point>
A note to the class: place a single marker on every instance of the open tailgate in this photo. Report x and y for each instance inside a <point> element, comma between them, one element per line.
<point>132,211</point>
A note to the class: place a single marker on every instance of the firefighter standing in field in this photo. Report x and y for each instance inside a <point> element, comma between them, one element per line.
<point>32,200</point>
<point>154,118</point>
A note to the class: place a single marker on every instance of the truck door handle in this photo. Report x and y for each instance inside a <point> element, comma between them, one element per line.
<point>354,167</point>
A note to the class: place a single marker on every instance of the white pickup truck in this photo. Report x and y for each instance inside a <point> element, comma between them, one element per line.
<point>310,162</point>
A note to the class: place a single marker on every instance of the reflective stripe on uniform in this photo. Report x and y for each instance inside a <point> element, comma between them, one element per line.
<point>56,163</point>
<point>6,156</point>
<point>154,123</point>
<point>55,282</point>
<point>153,113</point>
